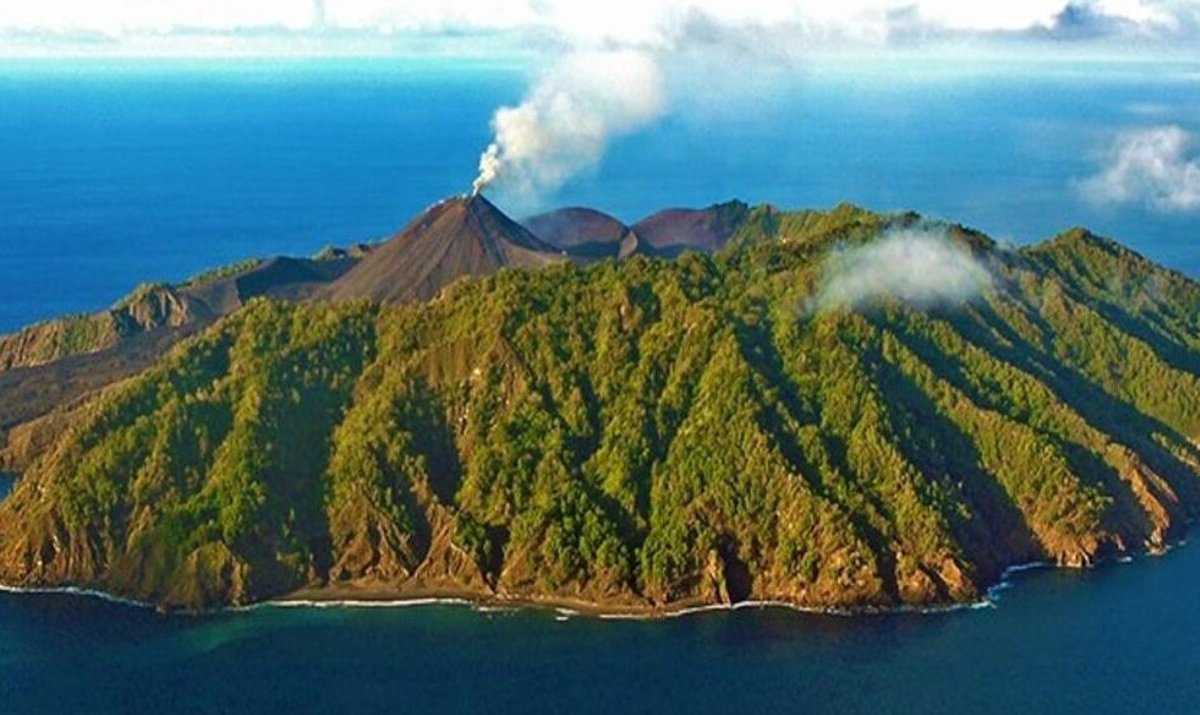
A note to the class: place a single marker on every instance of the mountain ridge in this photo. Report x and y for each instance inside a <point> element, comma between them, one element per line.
<point>585,233</point>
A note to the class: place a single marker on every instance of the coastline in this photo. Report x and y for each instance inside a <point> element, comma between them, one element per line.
<point>350,597</point>
<point>77,592</point>
<point>571,607</point>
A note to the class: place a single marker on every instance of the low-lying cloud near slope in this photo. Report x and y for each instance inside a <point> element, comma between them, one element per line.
<point>919,267</point>
<point>1158,168</point>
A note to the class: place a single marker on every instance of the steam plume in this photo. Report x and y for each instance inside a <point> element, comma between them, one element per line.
<point>612,83</point>
<point>566,120</point>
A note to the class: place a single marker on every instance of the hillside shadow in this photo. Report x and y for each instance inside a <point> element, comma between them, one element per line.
<point>1098,408</point>
<point>941,450</point>
<point>1163,343</point>
<point>760,351</point>
<point>8,482</point>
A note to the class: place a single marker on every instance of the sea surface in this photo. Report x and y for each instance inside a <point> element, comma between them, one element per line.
<point>118,172</point>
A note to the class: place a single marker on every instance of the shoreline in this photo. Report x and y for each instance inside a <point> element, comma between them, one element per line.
<point>565,608</point>
<point>77,592</point>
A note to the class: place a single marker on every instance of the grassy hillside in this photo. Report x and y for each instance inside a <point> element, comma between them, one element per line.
<point>642,434</point>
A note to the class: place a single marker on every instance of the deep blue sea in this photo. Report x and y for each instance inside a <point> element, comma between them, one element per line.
<point>117,172</point>
<point>113,173</point>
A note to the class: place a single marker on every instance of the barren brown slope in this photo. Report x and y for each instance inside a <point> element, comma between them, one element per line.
<point>278,277</point>
<point>586,234</point>
<point>161,306</point>
<point>55,364</point>
<point>673,231</point>
<point>462,236</point>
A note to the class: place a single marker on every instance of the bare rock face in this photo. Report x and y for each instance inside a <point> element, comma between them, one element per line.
<point>52,366</point>
<point>586,234</point>
<point>462,236</point>
<point>674,230</point>
<point>447,565</point>
<point>148,308</point>
<point>372,548</point>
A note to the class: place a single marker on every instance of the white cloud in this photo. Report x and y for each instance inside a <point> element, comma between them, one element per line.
<point>1157,167</point>
<point>623,22</point>
<point>918,267</point>
<point>115,17</point>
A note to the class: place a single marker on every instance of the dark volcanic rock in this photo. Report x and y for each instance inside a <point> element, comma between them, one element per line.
<point>462,236</point>
<point>675,230</point>
<point>586,234</point>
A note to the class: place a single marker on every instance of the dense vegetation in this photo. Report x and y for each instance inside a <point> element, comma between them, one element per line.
<point>642,433</point>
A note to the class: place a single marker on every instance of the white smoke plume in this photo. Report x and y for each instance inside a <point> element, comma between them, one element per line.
<point>918,267</point>
<point>567,119</point>
<point>611,82</point>
<point>1156,167</point>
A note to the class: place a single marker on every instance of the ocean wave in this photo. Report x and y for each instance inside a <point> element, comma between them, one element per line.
<point>362,603</point>
<point>74,591</point>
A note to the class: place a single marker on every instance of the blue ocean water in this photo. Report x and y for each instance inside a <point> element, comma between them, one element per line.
<point>119,172</point>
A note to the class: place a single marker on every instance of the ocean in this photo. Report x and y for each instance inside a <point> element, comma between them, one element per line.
<point>119,172</point>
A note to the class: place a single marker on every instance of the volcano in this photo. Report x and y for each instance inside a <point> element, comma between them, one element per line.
<point>461,236</point>
<point>586,234</point>
<point>673,231</point>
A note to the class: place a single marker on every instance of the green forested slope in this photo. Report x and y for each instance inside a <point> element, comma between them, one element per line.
<point>642,434</point>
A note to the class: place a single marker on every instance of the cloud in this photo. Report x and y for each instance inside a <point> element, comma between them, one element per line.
<point>1132,19</point>
<point>918,267</point>
<point>1157,167</point>
<point>620,23</point>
